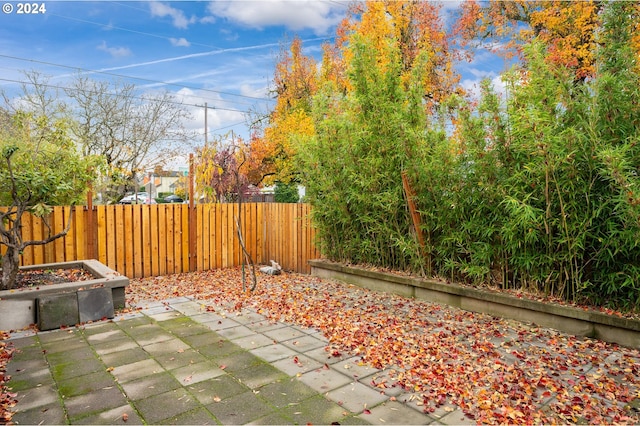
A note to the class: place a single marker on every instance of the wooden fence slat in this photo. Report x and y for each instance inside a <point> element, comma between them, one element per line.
<point>199,241</point>
<point>80,236</point>
<point>138,239</point>
<point>101,248</point>
<point>217,236</point>
<point>129,230</point>
<point>146,242</point>
<point>185,237</point>
<point>176,252</point>
<point>162,239</point>
<point>224,232</point>
<point>155,261</point>
<point>171,242</point>
<point>150,240</point>
<point>56,251</point>
<point>206,237</point>
<point>111,237</point>
<point>120,242</point>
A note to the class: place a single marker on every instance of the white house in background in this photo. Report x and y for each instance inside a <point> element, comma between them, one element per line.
<point>156,183</point>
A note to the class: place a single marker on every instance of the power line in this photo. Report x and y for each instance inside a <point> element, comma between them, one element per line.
<point>51,86</point>
<point>134,78</point>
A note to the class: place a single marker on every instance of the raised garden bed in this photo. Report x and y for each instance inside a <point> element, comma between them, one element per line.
<point>54,305</point>
<point>576,321</point>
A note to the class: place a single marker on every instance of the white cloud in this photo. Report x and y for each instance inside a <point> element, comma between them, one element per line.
<point>162,9</point>
<point>180,42</point>
<point>116,52</point>
<point>218,119</point>
<point>472,86</point>
<point>319,16</point>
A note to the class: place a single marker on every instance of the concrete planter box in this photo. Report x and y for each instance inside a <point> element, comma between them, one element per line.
<point>55,305</point>
<point>568,319</point>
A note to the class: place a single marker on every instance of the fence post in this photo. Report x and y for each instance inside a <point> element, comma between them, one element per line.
<point>90,227</point>
<point>192,219</point>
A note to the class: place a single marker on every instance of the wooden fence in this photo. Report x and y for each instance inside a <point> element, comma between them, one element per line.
<point>161,239</point>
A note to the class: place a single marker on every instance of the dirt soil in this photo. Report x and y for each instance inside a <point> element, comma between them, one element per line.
<point>41,277</point>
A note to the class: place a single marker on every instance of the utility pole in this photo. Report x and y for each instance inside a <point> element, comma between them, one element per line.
<point>206,127</point>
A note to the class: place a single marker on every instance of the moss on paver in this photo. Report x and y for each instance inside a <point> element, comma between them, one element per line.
<point>259,375</point>
<point>219,349</point>
<point>166,405</point>
<point>316,410</point>
<point>85,384</point>
<point>147,386</point>
<point>184,326</point>
<point>44,414</point>
<point>199,416</point>
<point>240,409</point>
<point>89,404</point>
<point>201,339</point>
<point>286,392</point>
<point>74,354</point>
<point>62,372</point>
<point>217,389</point>
<point>127,356</point>
<point>114,416</point>
<point>152,376</point>
<point>74,347</point>
<point>272,419</point>
<point>172,361</point>
<point>99,328</point>
<point>239,361</point>
<point>27,349</point>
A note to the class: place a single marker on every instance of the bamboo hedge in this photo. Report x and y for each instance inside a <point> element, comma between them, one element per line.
<point>537,191</point>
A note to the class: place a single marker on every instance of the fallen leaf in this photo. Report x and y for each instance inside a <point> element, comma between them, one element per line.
<point>439,355</point>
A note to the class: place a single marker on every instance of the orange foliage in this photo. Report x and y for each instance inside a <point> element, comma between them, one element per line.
<point>568,28</point>
<point>296,83</point>
<point>413,27</point>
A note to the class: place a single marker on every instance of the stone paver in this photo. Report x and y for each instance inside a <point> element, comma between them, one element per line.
<point>176,363</point>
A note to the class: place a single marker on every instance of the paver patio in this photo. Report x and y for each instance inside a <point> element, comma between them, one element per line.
<point>178,362</point>
<point>159,366</point>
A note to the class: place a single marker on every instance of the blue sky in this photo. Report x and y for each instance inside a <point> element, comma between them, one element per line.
<point>219,52</point>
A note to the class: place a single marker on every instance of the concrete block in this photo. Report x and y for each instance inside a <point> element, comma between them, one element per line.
<point>54,311</point>
<point>95,304</point>
<point>438,297</point>
<point>17,314</point>
<point>118,296</point>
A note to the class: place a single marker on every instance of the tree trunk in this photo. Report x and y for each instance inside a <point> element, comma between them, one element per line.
<point>10,267</point>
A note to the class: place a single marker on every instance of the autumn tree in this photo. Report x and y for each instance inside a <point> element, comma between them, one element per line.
<point>223,171</point>
<point>131,131</point>
<point>568,29</point>
<point>295,83</point>
<point>417,30</point>
<point>40,166</point>
<point>222,174</point>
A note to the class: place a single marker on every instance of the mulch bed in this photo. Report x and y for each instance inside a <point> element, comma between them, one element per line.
<point>42,277</point>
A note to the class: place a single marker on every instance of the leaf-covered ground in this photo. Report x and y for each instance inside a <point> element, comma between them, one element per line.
<point>7,398</point>
<point>497,371</point>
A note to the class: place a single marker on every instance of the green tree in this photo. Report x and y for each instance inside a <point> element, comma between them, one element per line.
<point>352,168</point>
<point>286,192</point>
<point>39,166</point>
